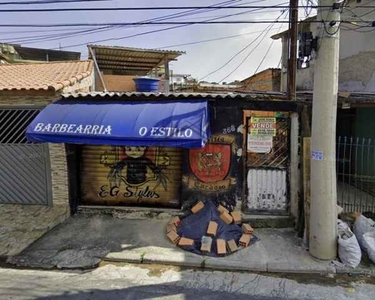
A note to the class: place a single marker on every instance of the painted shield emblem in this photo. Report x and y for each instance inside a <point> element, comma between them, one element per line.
<point>211,163</point>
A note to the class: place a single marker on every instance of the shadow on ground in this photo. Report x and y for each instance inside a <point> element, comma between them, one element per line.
<point>82,242</point>
<point>160,291</point>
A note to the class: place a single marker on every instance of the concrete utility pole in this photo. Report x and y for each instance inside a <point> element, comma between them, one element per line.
<point>323,215</point>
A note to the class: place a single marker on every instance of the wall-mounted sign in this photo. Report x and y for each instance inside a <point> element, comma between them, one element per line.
<point>259,144</point>
<point>317,155</point>
<point>263,126</point>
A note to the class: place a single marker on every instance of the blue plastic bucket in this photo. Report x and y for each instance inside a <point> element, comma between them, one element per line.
<point>145,84</point>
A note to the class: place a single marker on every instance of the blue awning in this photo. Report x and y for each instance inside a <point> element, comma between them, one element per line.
<point>171,124</point>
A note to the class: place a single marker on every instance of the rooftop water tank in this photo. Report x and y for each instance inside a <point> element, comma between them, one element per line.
<point>146,84</point>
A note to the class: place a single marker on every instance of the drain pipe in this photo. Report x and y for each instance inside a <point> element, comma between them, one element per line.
<point>97,68</point>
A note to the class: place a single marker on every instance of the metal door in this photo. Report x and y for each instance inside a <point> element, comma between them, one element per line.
<point>267,162</point>
<point>25,174</point>
<point>141,176</point>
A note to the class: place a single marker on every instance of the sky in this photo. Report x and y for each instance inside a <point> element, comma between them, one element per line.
<point>200,59</point>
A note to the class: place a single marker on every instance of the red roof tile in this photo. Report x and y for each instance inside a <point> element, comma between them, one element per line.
<point>43,76</point>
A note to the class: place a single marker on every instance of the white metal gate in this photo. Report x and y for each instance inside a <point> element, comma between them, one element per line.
<point>267,163</point>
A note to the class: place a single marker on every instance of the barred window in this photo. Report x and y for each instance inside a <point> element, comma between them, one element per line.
<point>13,124</point>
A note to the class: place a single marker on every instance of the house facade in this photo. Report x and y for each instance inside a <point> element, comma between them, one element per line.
<point>356,69</point>
<point>177,149</point>
<point>34,177</point>
<point>356,86</point>
<point>131,149</point>
<point>12,53</point>
<point>357,54</point>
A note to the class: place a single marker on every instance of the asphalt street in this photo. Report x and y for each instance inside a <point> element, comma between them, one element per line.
<point>165,282</point>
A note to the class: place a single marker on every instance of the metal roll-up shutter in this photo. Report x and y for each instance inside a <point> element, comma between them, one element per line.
<point>148,176</point>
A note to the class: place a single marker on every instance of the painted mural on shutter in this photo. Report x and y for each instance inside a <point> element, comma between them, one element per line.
<point>214,172</point>
<point>131,176</point>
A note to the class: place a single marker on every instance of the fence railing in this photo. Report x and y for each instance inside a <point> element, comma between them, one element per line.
<point>355,163</point>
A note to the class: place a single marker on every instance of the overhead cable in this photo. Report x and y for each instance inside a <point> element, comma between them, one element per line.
<point>48,2</point>
<point>35,39</point>
<point>149,32</point>
<point>172,23</point>
<point>252,50</point>
<point>267,29</point>
<point>148,8</point>
<point>268,50</point>
<point>211,40</point>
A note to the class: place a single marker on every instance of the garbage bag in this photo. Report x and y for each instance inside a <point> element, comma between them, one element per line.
<point>361,226</point>
<point>349,251</point>
<point>194,226</point>
<point>341,225</point>
<point>369,239</point>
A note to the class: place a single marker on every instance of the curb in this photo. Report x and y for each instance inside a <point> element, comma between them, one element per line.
<point>211,263</point>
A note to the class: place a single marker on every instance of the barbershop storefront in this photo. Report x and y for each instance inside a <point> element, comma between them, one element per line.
<point>167,152</point>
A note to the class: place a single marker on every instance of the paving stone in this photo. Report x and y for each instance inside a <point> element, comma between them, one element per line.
<point>72,259</point>
<point>22,225</point>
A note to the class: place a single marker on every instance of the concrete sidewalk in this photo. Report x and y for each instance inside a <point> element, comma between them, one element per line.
<point>83,242</point>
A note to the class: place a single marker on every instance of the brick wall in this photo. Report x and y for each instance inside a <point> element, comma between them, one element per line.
<point>34,99</point>
<point>268,80</point>
<point>59,174</point>
<point>116,83</point>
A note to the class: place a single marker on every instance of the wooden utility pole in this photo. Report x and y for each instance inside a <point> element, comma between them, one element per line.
<point>293,37</point>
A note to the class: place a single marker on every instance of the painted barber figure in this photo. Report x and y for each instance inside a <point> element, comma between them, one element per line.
<point>137,164</point>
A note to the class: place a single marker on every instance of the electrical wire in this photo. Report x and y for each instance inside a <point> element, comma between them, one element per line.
<point>158,30</point>
<point>34,39</point>
<point>279,64</point>
<point>369,12</point>
<point>239,52</point>
<point>252,50</point>
<point>323,28</point>
<point>39,31</point>
<point>31,40</point>
<point>266,54</point>
<point>210,40</point>
<point>161,18</point>
<point>308,7</point>
<point>51,37</point>
<point>171,23</point>
<point>331,33</point>
<point>249,13</point>
<point>139,34</point>
<point>345,28</point>
<point>48,2</point>
<point>359,27</point>
<point>147,8</point>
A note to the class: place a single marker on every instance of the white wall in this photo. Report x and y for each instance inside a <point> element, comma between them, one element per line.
<point>357,56</point>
